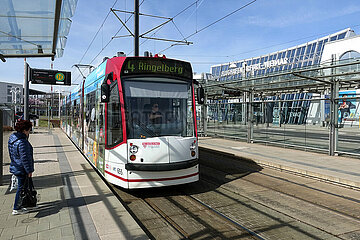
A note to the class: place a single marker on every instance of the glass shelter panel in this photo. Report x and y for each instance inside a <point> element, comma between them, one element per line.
<point>27,27</point>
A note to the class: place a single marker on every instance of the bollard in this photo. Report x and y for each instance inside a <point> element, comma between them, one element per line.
<point>1,147</point>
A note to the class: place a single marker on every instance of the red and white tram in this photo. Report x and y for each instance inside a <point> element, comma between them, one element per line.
<point>134,118</point>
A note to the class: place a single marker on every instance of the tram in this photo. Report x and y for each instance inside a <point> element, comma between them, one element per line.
<point>134,119</point>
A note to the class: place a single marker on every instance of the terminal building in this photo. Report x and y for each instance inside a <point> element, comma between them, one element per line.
<point>340,46</point>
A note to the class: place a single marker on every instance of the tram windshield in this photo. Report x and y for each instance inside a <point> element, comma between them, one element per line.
<point>158,107</point>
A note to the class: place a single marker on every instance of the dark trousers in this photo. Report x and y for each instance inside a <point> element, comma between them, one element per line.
<point>21,181</point>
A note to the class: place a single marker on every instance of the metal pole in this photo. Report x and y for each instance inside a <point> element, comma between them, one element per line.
<point>250,127</point>
<point>205,114</point>
<point>333,113</point>
<point>136,27</point>
<point>52,103</point>
<point>26,90</point>
<point>59,103</point>
<point>82,114</point>
<point>16,98</point>
<point>205,106</point>
<point>48,110</point>
<point>1,146</point>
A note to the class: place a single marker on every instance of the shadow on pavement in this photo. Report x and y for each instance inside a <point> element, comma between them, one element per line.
<point>216,169</point>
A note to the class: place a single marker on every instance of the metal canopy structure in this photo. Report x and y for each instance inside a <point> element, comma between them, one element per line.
<point>314,79</point>
<point>36,28</point>
<point>326,80</point>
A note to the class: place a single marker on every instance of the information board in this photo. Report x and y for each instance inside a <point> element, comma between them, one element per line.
<point>142,66</point>
<point>50,77</point>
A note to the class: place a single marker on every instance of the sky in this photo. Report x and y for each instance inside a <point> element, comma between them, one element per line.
<point>257,28</point>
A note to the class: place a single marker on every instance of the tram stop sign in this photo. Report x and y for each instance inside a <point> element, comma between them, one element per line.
<point>50,77</point>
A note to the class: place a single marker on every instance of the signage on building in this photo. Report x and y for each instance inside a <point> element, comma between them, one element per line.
<point>51,77</point>
<point>254,67</point>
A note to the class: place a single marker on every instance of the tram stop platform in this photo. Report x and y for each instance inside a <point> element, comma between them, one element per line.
<point>339,170</point>
<point>74,203</point>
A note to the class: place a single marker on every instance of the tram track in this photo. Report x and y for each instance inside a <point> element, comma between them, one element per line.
<point>168,219</point>
<point>214,208</point>
<point>181,216</point>
<point>283,213</point>
<point>241,200</point>
<point>351,212</point>
<point>271,185</point>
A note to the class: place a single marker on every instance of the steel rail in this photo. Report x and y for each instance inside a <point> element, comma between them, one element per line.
<point>257,235</point>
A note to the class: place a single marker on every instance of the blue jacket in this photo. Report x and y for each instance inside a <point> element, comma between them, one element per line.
<point>21,154</point>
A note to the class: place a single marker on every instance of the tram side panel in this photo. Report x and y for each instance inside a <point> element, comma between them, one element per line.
<point>115,171</point>
<point>94,129</point>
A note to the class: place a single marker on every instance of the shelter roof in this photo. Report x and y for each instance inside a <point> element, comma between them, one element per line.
<point>36,28</point>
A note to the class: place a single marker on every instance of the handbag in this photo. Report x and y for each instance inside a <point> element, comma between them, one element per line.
<point>28,194</point>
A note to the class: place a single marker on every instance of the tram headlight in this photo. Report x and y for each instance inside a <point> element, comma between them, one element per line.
<point>133,149</point>
<point>193,146</point>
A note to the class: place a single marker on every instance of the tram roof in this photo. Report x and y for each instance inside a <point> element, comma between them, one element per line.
<point>36,28</point>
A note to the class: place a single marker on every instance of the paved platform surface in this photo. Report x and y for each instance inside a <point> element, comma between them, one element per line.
<point>337,169</point>
<point>74,202</point>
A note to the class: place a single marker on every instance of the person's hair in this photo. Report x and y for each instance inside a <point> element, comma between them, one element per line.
<point>23,125</point>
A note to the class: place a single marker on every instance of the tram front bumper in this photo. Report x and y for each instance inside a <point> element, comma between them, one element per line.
<point>161,166</point>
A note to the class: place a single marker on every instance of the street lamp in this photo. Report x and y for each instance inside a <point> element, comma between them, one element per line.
<point>14,92</point>
<point>58,91</point>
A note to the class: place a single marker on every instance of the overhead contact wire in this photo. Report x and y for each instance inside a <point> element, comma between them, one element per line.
<point>220,19</point>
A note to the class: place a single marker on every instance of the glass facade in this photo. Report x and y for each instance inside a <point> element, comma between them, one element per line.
<point>304,55</point>
<point>287,109</point>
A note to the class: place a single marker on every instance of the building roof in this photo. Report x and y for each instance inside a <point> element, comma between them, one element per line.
<point>345,33</point>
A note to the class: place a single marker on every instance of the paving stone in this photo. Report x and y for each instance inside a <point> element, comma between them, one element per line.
<point>12,232</point>
<point>33,236</point>
<point>10,222</point>
<point>37,228</point>
<point>50,234</point>
<point>78,186</point>
<point>67,231</point>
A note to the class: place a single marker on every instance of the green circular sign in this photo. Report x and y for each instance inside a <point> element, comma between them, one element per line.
<point>59,77</point>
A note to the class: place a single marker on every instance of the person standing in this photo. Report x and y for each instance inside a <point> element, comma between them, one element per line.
<point>22,161</point>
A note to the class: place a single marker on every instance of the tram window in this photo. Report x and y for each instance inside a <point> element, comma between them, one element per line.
<point>77,116</point>
<point>114,122</point>
<point>68,111</point>
<point>74,114</point>
<point>90,115</point>
<point>171,104</point>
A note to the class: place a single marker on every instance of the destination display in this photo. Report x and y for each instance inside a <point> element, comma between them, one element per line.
<point>156,66</point>
<point>51,77</point>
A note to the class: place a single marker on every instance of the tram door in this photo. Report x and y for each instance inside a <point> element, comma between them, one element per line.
<point>100,130</point>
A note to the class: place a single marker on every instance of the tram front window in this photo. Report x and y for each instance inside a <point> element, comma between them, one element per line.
<point>158,109</point>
